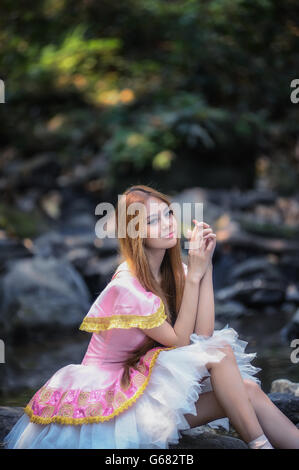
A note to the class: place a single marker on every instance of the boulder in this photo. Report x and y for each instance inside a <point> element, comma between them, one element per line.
<point>288,403</point>
<point>291,330</point>
<point>40,293</point>
<point>285,386</point>
<point>8,417</point>
<point>203,437</point>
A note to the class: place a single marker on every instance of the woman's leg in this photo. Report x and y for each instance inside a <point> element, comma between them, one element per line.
<point>230,390</point>
<point>232,397</point>
<point>208,409</point>
<point>278,428</point>
<point>281,432</point>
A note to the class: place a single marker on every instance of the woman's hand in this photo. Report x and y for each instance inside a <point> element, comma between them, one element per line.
<point>202,246</point>
<point>210,237</point>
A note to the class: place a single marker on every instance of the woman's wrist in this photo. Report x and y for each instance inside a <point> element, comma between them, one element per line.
<point>194,278</point>
<point>209,270</point>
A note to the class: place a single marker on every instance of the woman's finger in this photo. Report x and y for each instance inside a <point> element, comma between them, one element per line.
<point>201,226</point>
<point>200,222</point>
<point>195,238</point>
<point>210,245</point>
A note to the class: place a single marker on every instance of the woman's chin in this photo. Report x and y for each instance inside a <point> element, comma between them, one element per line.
<point>171,241</point>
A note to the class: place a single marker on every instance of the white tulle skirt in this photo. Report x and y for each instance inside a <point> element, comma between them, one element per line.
<point>155,420</point>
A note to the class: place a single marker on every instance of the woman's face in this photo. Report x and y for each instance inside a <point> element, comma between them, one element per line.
<point>161,224</point>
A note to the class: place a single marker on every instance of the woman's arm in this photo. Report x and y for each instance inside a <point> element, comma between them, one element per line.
<point>179,334</point>
<point>199,258</point>
<point>205,318</point>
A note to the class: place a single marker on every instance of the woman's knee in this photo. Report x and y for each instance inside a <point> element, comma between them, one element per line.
<point>229,355</point>
<point>253,389</point>
<point>228,351</point>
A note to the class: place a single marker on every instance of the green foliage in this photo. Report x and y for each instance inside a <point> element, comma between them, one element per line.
<point>157,79</point>
<point>22,224</point>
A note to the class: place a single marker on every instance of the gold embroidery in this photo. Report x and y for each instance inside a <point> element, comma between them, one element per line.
<point>138,379</point>
<point>66,410</point>
<point>45,395</point>
<point>119,399</point>
<point>47,411</point>
<point>83,398</point>
<point>94,410</point>
<point>95,419</point>
<point>63,396</point>
<point>148,356</point>
<point>96,324</point>
<point>141,367</point>
<point>109,396</point>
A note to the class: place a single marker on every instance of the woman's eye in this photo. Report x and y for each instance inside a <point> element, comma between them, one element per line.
<point>170,212</point>
<point>150,221</point>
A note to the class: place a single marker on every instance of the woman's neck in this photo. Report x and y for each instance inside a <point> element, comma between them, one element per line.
<point>155,258</point>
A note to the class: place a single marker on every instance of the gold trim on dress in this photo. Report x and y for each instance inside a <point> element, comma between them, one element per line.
<point>96,324</point>
<point>96,419</point>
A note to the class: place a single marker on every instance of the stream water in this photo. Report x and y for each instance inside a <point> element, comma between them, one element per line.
<point>27,368</point>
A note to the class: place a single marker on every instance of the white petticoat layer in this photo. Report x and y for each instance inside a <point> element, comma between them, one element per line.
<point>157,417</point>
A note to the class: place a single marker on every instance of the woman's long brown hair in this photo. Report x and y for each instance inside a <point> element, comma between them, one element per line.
<point>172,271</point>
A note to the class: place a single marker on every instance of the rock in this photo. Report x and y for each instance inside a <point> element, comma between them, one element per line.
<point>288,404</point>
<point>77,246</point>
<point>40,171</point>
<point>225,264</point>
<point>95,168</point>
<point>253,267</point>
<point>12,249</point>
<point>244,200</point>
<point>29,367</point>
<point>292,294</point>
<point>285,386</point>
<point>190,202</point>
<point>230,309</point>
<point>291,330</point>
<point>80,257</point>
<point>103,267</point>
<point>208,440</point>
<point>41,292</point>
<point>57,244</point>
<point>289,308</point>
<point>289,266</point>
<point>255,292</point>
<point>262,244</point>
<point>107,246</point>
<point>8,417</point>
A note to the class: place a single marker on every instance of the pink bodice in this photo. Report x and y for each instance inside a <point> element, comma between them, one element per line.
<point>93,391</point>
<point>111,348</point>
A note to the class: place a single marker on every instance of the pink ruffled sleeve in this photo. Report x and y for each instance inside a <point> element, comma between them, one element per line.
<point>124,303</point>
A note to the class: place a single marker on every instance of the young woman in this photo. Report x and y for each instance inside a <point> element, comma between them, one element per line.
<point>155,365</point>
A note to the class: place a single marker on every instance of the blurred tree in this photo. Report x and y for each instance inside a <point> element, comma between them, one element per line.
<point>153,85</point>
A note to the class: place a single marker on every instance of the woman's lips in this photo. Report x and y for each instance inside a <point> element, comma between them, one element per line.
<point>170,235</point>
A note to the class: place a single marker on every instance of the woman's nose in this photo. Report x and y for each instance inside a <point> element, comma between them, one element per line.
<point>166,225</point>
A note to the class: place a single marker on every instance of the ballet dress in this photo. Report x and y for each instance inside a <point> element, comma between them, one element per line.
<point>86,405</point>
